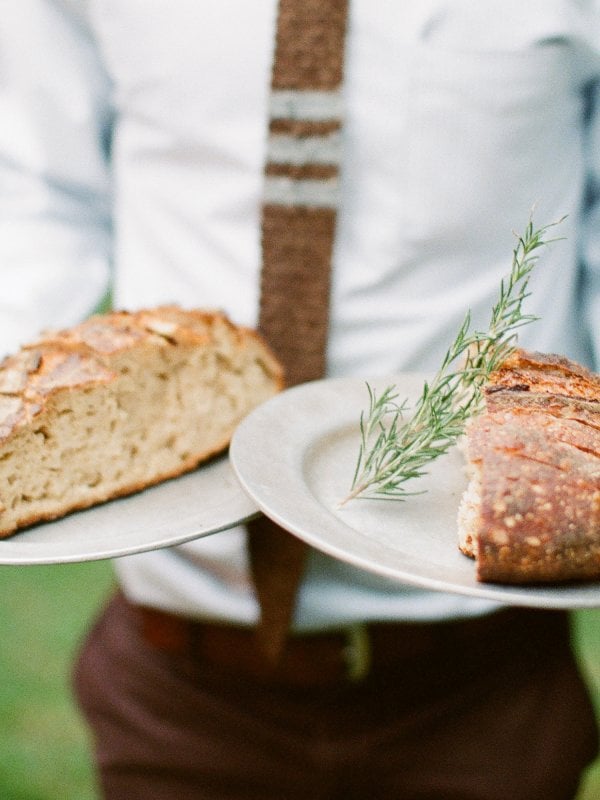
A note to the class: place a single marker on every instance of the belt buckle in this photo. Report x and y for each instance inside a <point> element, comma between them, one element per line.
<point>357,652</point>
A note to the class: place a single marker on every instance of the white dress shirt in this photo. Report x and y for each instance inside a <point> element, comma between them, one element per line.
<point>132,148</point>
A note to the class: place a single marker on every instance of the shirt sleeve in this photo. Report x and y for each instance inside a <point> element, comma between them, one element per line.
<point>54,178</point>
<point>590,243</point>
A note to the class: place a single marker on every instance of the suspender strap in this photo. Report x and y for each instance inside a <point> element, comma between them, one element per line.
<point>298,227</point>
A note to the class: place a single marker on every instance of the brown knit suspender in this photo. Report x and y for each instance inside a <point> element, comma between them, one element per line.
<point>298,226</point>
<point>301,183</point>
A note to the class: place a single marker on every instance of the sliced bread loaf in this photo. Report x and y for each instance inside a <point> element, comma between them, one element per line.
<point>121,402</point>
<point>531,512</point>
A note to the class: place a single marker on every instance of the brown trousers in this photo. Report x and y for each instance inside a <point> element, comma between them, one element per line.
<point>498,716</point>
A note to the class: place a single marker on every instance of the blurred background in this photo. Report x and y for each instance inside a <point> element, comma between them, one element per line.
<point>44,745</point>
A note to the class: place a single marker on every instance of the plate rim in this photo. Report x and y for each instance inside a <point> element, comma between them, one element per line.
<point>23,548</point>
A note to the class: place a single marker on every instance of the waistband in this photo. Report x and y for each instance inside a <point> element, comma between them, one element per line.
<point>352,653</point>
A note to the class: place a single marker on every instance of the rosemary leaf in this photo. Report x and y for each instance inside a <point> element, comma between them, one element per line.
<point>394,450</point>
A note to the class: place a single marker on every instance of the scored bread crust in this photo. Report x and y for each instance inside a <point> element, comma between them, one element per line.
<point>531,513</point>
<point>120,402</point>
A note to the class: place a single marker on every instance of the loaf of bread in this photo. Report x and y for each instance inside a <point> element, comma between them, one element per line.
<point>121,402</point>
<point>531,512</point>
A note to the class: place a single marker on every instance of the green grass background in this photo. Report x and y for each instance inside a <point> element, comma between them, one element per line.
<point>44,612</point>
<point>44,746</point>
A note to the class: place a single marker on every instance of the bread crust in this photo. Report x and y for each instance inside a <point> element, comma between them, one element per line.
<point>121,402</point>
<point>536,454</point>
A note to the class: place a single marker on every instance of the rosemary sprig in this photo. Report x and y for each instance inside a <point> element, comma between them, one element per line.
<point>393,451</point>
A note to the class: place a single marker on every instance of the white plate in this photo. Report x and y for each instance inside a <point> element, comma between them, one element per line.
<point>198,504</point>
<point>295,455</point>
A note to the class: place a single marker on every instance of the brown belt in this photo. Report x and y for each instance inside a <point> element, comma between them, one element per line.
<point>345,655</point>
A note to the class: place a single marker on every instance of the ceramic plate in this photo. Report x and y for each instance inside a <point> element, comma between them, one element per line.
<point>198,504</point>
<point>295,456</point>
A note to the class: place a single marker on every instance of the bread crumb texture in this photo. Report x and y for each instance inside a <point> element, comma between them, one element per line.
<point>120,402</point>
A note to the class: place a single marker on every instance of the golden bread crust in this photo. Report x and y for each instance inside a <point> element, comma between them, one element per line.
<point>536,454</point>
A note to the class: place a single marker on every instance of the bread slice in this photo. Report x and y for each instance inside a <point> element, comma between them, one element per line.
<point>121,402</point>
<point>531,511</point>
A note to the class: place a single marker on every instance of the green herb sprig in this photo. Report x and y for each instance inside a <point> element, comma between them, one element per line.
<point>394,451</point>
